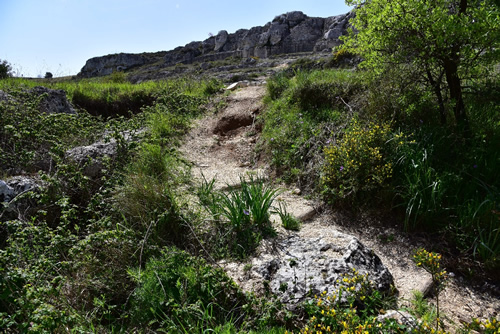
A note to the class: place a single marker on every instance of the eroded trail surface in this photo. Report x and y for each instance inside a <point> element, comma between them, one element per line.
<point>222,146</point>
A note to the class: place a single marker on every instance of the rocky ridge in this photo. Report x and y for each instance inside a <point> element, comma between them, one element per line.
<point>289,33</point>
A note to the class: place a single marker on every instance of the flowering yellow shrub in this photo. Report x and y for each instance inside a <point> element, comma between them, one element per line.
<point>488,326</point>
<point>361,161</point>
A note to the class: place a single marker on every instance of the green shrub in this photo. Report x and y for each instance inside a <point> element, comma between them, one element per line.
<point>277,84</point>
<point>5,69</point>
<point>31,277</point>
<point>178,293</point>
<point>361,163</point>
<point>28,138</point>
<point>303,113</point>
<point>117,77</point>
<point>148,198</point>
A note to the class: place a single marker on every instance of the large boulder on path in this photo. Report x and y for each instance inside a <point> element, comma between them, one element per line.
<point>299,267</point>
<point>310,266</point>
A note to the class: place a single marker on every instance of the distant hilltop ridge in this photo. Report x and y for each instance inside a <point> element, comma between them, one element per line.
<point>293,32</point>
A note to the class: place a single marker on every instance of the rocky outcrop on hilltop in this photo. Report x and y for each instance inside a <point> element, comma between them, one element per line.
<point>289,33</point>
<point>105,65</point>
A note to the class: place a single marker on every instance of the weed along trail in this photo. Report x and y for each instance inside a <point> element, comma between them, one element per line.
<point>318,247</point>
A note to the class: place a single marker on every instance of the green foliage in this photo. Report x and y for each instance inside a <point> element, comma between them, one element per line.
<point>148,198</point>
<point>422,309</point>
<point>117,77</point>
<point>441,42</point>
<point>353,306</point>
<point>288,221</point>
<point>277,85</point>
<point>461,198</point>
<point>422,189</point>
<point>439,180</point>
<point>488,326</point>
<point>28,138</point>
<point>303,111</point>
<point>242,214</point>
<point>178,293</point>
<point>31,278</point>
<point>113,96</point>
<point>5,70</point>
<point>361,163</point>
<point>65,263</point>
<point>431,262</point>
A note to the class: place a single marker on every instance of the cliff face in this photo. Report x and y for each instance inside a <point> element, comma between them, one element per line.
<point>288,33</point>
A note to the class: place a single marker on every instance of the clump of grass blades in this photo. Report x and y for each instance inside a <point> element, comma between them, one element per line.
<point>242,214</point>
<point>288,221</point>
<point>248,211</point>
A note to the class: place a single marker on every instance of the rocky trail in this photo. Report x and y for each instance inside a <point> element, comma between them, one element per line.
<point>222,146</point>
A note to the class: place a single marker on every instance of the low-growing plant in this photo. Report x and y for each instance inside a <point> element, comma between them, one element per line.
<point>288,221</point>
<point>209,197</point>
<point>353,307</point>
<point>487,326</point>
<point>248,209</point>
<point>241,214</point>
<point>431,262</point>
<point>178,293</point>
<point>422,189</point>
<point>421,308</point>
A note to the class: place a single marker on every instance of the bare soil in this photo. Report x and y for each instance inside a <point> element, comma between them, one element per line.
<point>225,150</point>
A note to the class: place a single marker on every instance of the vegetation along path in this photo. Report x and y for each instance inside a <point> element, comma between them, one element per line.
<point>222,146</point>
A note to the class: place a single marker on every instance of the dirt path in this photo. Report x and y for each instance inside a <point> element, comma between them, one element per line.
<point>222,146</point>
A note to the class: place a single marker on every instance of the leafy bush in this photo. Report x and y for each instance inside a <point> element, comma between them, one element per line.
<point>178,293</point>
<point>28,138</point>
<point>5,69</point>
<point>277,84</point>
<point>361,163</point>
<point>31,278</point>
<point>303,113</point>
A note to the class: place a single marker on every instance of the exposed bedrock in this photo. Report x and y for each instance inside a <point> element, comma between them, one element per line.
<point>293,32</point>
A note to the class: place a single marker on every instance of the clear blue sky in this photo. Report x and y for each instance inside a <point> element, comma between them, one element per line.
<point>58,36</point>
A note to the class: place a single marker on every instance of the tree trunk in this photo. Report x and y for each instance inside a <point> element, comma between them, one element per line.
<point>455,87</point>
<point>436,86</point>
